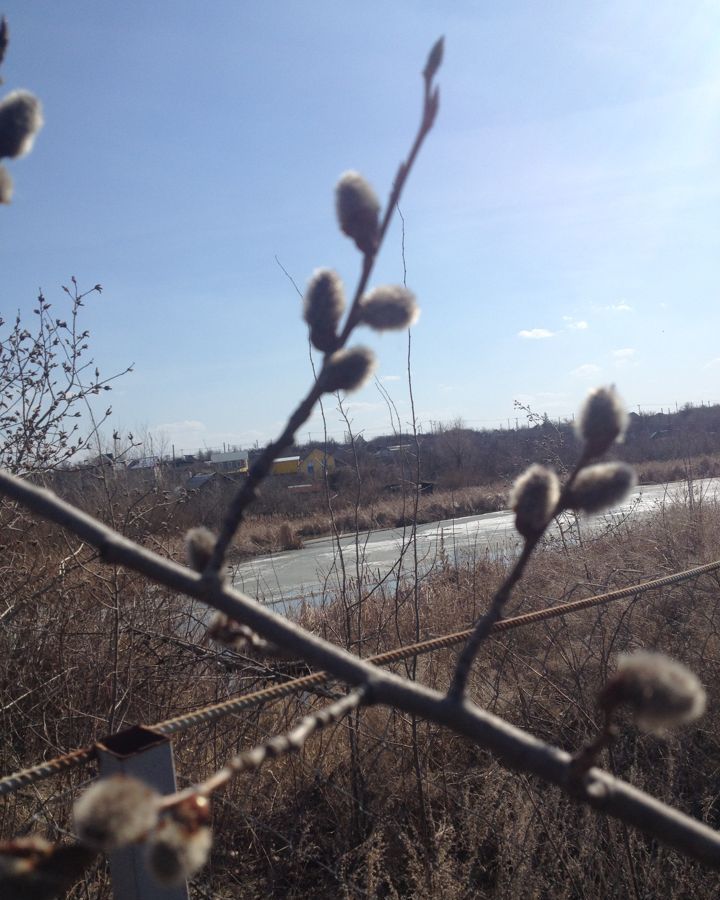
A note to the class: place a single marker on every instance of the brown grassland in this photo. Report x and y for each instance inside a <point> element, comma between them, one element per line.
<point>380,806</point>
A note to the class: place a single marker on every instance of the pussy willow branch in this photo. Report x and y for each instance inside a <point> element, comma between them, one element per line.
<point>279,745</point>
<point>262,466</point>
<point>515,748</point>
<point>502,595</point>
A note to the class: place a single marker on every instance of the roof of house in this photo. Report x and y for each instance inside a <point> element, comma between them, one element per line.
<point>197,481</point>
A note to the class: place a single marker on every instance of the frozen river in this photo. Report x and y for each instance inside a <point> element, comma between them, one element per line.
<point>317,569</point>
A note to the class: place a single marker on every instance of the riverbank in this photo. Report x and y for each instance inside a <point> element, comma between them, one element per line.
<point>325,566</point>
<point>264,534</point>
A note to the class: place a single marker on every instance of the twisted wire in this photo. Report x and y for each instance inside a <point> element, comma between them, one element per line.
<point>12,783</point>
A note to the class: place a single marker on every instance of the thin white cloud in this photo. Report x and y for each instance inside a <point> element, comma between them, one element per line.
<point>390,377</point>
<point>543,401</point>
<point>582,325</point>
<point>615,308</point>
<point>184,425</point>
<point>624,353</point>
<point>713,364</point>
<point>588,370</point>
<point>535,334</point>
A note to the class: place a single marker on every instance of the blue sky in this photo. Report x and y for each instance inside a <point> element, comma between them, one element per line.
<point>562,223</point>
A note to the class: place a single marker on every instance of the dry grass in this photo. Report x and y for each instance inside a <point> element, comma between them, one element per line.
<point>659,471</point>
<point>401,810</point>
<point>264,533</point>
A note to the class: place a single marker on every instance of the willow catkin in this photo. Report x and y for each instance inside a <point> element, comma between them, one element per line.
<point>533,499</point>
<point>323,306</point>
<point>602,420</point>
<point>199,546</point>
<point>660,692</point>
<point>389,308</point>
<point>358,211</point>
<point>180,845</point>
<point>601,486</point>
<point>346,370</point>
<point>20,120</point>
<point>115,811</point>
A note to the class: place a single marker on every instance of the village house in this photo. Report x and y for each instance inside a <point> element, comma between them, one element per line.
<point>316,463</point>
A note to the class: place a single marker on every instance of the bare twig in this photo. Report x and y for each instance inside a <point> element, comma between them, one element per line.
<point>279,745</point>
<point>502,595</point>
<point>262,466</point>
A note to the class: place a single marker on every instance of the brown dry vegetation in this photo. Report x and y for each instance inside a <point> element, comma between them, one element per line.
<point>381,806</point>
<point>153,506</point>
<point>154,512</point>
<point>265,532</point>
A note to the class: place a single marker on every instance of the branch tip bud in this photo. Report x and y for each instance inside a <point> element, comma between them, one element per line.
<point>434,60</point>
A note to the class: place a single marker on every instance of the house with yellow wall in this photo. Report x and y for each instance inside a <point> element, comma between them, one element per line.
<point>316,462</point>
<point>286,465</point>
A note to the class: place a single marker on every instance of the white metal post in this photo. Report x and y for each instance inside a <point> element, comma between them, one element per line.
<point>147,755</point>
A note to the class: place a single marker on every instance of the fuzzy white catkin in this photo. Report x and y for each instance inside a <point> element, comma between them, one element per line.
<point>661,692</point>
<point>21,856</point>
<point>358,211</point>
<point>175,853</point>
<point>534,497</point>
<point>115,811</point>
<point>346,370</point>
<point>20,120</point>
<point>323,306</point>
<point>199,546</point>
<point>601,486</point>
<point>389,308</point>
<point>603,420</point>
